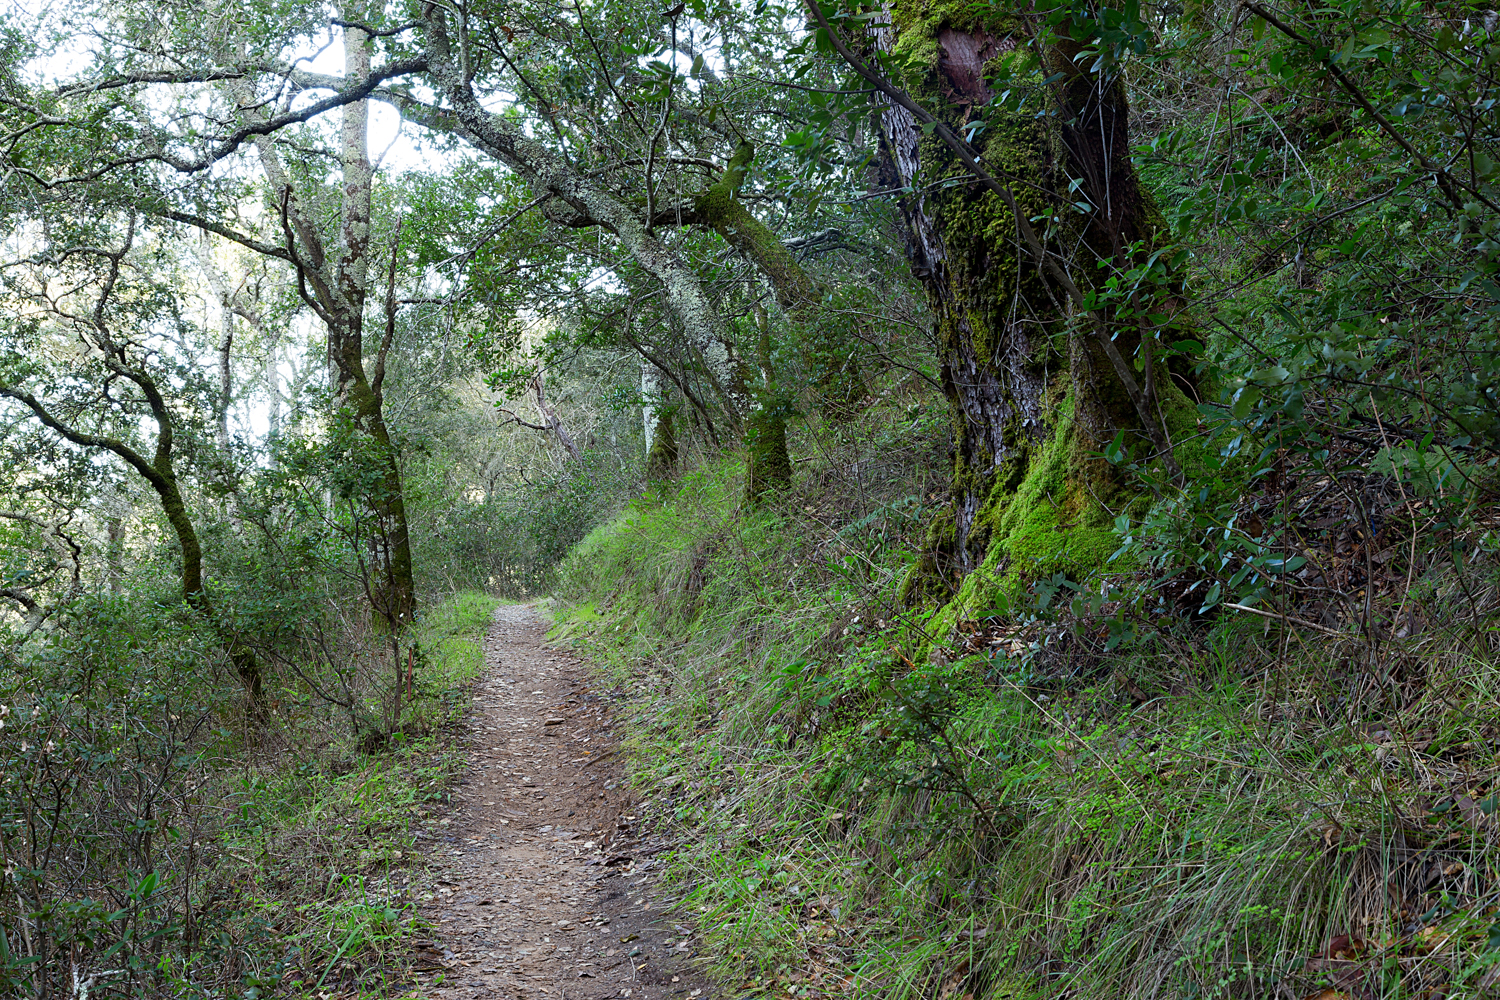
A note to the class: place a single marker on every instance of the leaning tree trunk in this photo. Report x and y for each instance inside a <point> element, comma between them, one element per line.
<point>768,465</point>
<point>160,472</point>
<point>835,374</point>
<point>1032,389</point>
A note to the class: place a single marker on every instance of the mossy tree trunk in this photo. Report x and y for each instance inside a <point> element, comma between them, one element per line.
<point>801,297</point>
<point>769,467</point>
<point>768,464</point>
<point>1031,385</point>
<point>994,316</point>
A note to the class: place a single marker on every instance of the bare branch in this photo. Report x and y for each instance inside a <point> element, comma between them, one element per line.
<point>375,32</point>
<point>219,229</point>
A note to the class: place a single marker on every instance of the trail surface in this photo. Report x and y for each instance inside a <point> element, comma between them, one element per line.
<point>541,884</point>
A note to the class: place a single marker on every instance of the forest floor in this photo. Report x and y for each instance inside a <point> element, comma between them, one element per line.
<point>543,879</point>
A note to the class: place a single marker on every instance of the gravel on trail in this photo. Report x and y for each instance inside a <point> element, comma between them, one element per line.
<point>543,883</point>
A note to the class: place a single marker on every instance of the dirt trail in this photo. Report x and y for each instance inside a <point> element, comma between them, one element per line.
<point>541,883</point>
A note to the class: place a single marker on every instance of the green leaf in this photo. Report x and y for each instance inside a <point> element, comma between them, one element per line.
<point>1244,402</point>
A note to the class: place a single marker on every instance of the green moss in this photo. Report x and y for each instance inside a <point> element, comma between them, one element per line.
<point>921,20</point>
<point>1053,521</point>
<point>1042,504</point>
<point>931,579</point>
<point>754,240</point>
<point>768,467</point>
<point>662,458</point>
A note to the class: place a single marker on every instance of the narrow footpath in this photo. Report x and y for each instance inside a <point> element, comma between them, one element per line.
<point>542,882</point>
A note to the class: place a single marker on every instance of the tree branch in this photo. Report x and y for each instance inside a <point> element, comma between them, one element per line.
<point>134,458</point>
<point>375,32</point>
<point>208,225</point>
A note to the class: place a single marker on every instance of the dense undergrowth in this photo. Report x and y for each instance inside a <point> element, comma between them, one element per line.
<point>158,842</point>
<point>890,801</point>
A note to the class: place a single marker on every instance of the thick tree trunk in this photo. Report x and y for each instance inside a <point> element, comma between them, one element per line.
<point>994,316</point>
<point>1027,493</point>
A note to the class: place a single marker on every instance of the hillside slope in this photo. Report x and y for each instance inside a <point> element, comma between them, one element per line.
<point>894,801</point>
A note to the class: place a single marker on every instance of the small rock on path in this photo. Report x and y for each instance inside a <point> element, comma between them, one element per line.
<point>542,885</point>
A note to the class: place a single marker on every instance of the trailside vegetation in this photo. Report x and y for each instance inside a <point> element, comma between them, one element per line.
<point>1030,469</point>
<point>1176,689</point>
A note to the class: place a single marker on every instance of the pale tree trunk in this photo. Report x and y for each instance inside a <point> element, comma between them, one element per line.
<point>352,273</point>
<point>651,387</point>
<point>114,553</point>
<point>272,379</point>
<point>224,298</point>
<point>658,420</point>
<point>336,286</point>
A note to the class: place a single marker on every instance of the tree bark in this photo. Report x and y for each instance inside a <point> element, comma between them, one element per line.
<point>800,297</point>
<point>1028,417</point>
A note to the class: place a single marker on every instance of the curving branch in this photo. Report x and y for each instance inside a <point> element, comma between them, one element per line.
<point>219,229</point>
<point>349,95</point>
<point>70,551</point>
<point>133,458</point>
<point>548,173</point>
<point>346,92</point>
